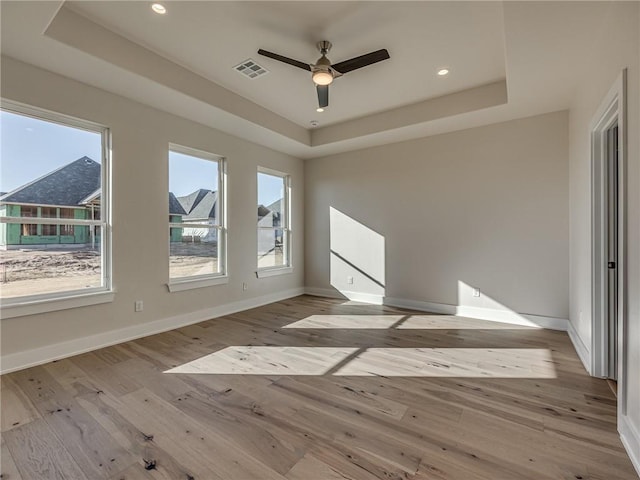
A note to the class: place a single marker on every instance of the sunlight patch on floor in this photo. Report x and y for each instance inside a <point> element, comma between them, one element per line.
<point>401,322</point>
<point>452,362</point>
<point>249,360</point>
<point>347,321</point>
<point>388,362</point>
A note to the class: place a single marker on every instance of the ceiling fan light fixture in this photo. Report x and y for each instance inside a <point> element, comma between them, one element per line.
<point>159,8</point>
<point>322,77</point>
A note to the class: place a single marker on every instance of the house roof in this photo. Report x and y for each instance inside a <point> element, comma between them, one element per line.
<point>199,204</point>
<point>174,206</point>
<point>76,183</point>
<point>67,185</point>
<point>262,211</point>
<point>276,206</point>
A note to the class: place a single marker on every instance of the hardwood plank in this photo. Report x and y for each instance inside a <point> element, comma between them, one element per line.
<point>94,450</point>
<point>17,409</point>
<point>139,444</point>
<point>39,453</point>
<point>191,442</point>
<point>318,389</point>
<point>8,468</point>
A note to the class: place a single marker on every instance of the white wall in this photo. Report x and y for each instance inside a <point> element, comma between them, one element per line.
<point>615,47</point>
<point>140,138</point>
<point>486,207</point>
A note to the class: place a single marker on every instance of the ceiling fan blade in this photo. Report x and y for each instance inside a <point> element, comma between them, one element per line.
<point>323,95</point>
<point>290,61</point>
<point>361,61</point>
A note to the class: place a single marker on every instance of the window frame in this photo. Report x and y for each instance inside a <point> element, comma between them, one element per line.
<point>287,236</point>
<point>52,301</point>
<point>178,284</point>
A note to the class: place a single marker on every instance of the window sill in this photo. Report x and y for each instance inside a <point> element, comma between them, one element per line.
<point>182,285</point>
<point>272,272</point>
<point>33,307</point>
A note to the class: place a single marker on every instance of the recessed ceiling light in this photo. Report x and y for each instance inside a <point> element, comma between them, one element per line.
<point>442,72</point>
<point>159,8</point>
<point>314,123</point>
<point>319,109</point>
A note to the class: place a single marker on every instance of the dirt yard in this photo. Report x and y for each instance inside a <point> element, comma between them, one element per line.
<point>32,272</point>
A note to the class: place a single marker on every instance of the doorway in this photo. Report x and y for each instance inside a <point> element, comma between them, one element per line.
<point>608,248</point>
<point>612,222</point>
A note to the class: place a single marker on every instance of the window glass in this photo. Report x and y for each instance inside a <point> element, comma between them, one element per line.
<point>48,163</point>
<point>273,222</point>
<point>196,229</point>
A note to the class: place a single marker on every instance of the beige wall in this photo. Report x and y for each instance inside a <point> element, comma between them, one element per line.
<point>615,46</point>
<point>140,137</point>
<point>426,220</point>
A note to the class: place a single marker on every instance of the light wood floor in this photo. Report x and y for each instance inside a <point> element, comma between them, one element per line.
<point>314,389</point>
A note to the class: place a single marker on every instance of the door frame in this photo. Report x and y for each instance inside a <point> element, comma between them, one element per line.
<point>612,111</point>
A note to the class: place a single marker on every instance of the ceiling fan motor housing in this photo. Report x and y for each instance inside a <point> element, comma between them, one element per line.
<point>324,46</point>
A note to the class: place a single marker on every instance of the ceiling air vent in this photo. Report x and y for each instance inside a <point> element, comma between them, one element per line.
<point>250,69</point>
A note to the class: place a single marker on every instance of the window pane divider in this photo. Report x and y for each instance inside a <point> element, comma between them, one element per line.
<point>194,225</point>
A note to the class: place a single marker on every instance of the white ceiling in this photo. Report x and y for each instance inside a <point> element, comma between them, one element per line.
<point>210,38</point>
<point>183,62</point>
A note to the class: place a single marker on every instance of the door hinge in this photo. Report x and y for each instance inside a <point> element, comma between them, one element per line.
<point>611,264</point>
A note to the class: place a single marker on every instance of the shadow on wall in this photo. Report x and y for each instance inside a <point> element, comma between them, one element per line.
<point>357,258</point>
<point>357,272</point>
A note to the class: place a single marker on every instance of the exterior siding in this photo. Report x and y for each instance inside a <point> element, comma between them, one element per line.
<point>11,234</point>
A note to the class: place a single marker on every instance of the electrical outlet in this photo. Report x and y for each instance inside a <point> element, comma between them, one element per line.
<point>350,280</point>
<point>245,286</point>
<point>139,305</point>
<point>476,292</point>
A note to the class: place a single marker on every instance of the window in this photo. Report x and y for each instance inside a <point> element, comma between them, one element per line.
<point>49,212</point>
<point>274,234</point>
<point>67,230</point>
<point>29,229</point>
<point>197,223</point>
<point>52,167</point>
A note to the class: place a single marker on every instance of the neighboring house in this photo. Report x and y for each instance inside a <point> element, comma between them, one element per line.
<point>199,207</point>
<point>268,238</point>
<point>72,191</point>
<point>176,213</point>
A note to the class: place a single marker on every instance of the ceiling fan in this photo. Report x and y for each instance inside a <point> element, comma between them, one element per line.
<point>323,72</point>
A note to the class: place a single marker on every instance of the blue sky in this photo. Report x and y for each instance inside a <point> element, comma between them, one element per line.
<point>31,148</point>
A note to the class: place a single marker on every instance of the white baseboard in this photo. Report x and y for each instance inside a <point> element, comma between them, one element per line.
<point>631,440</point>
<point>504,316</point>
<point>422,306</point>
<point>354,296</point>
<point>580,347</point>
<point>38,356</point>
<point>494,315</point>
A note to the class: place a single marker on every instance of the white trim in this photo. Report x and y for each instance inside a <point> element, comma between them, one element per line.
<point>515,318</point>
<point>345,295</point>
<point>579,346</point>
<point>37,356</point>
<point>29,305</point>
<point>272,172</point>
<point>54,304</point>
<point>630,440</point>
<point>612,110</point>
<point>494,315</point>
<point>442,308</point>
<point>272,272</point>
<point>191,283</point>
<point>175,285</point>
